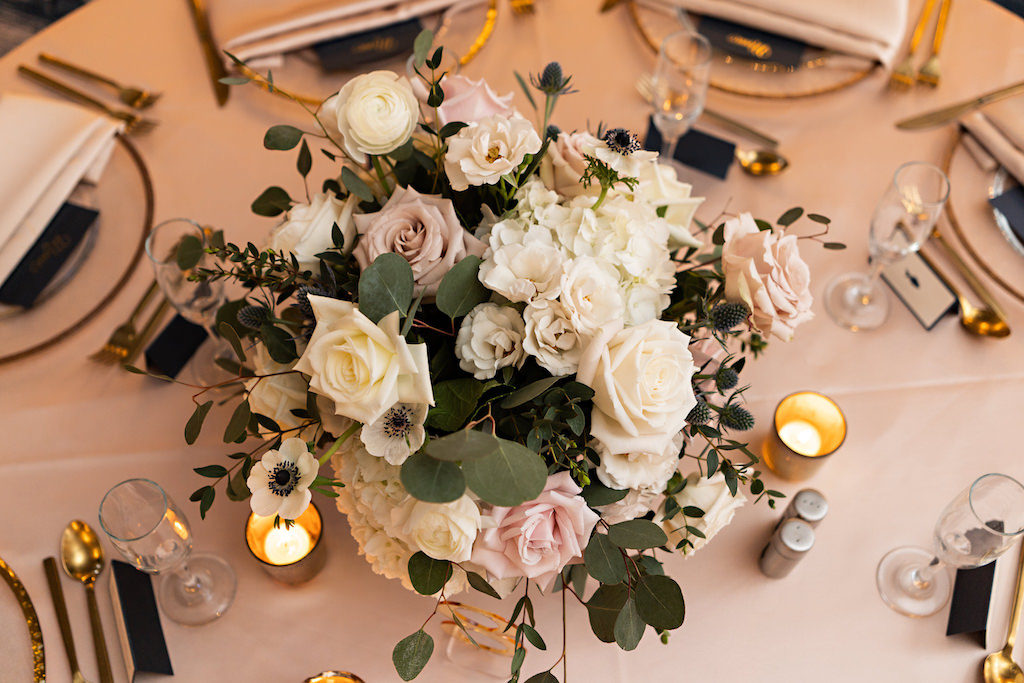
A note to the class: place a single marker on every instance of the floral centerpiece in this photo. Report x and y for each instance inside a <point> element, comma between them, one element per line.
<point>520,362</point>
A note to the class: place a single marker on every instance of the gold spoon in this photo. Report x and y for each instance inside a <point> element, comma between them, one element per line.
<point>989,321</point>
<point>761,162</point>
<point>999,666</point>
<point>982,321</point>
<point>82,557</point>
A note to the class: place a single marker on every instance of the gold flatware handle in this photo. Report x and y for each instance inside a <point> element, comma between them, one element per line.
<point>741,128</point>
<point>922,21</point>
<point>47,58</point>
<point>99,640</point>
<point>973,282</point>
<point>214,63</point>
<point>940,28</point>
<point>143,301</point>
<point>57,593</point>
<point>147,332</point>
<point>954,111</point>
<point>66,90</point>
<point>31,619</point>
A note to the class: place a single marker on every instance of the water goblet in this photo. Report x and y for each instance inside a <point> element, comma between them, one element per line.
<point>902,221</point>
<point>152,534</point>
<point>975,528</point>
<point>679,87</point>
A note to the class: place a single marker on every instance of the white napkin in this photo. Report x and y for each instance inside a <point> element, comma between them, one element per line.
<point>263,29</point>
<point>999,128</point>
<point>864,28</point>
<point>49,147</point>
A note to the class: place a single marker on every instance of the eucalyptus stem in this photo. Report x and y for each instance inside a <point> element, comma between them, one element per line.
<point>380,174</point>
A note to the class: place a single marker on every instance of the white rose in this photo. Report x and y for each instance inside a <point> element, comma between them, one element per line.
<point>374,113</point>
<point>524,272</point>
<point>487,149</point>
<point>364,368</point>
<point>659,187</point>
<point>643,303</point>
<point>641,378</point>
<point>307,228</point>
<point>551,338</point>
<point>635,504</point>
<point>764,270</point>
<point>490,338</point>
<point>591,295</point>
<point>276,392</point>
<point>646,471</point>
<point>710,495</point>
<point>444,531</point>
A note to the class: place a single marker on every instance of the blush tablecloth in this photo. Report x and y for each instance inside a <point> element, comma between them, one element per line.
<point>928,411</point>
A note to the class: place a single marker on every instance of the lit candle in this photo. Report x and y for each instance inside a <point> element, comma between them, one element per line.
<point>285,546</point>
<point>292,554</point>
<point>802,436</point>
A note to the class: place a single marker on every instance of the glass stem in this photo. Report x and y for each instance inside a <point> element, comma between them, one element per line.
<point>873,277</point>
<point>922,576</point>
<point>191,582</point>
<point>668,148</point>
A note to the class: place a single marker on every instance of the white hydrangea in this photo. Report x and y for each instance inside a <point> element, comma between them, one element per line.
<point>524,272</point>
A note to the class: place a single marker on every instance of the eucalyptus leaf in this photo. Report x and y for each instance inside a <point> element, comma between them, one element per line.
<point>629,627</point>
<point>460,289</point>
<point>412,654</point>
<point>280,344</point>
<point>637,534</point>
<point>189,252</point>
<point>385,286</point>
<point>195,423</point>
<point>597,494</point>
<point>305,161</point>
<point>206,501</point>
<point>542,677</point>
<point>354,184</point>
<point>454,401</point>
<point>421,46</point>
<point>427,575</point>
<point>462,446</point>
<point>790,217</point>
<point>231,336</point>
<point>282,137</point>
<point>603,610</point>
<point>529,392</point>
<point>509,475</point>
<point>535,639</point>
<point>604,560</point>
<point>432,480</point>
<point>480,583</point>
<point>659,602</point>
<point>238,422</point>
<point>211,471</point>
<point>272,202</point>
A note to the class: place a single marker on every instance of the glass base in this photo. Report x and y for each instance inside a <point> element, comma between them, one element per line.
<point>207,600</point>
<point>854,302</point>
<point>203,368</point>
<point>900,591</point>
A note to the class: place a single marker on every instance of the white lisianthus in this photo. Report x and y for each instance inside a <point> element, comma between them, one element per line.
<point>364,368</point>
<point>397,434</point>
<point>524,272</point>
<point>490,338</point>
<point>280,481</point>
<point>275,392</point>
<point>444,531</point>
<point>306,229</point>
<point>659,187</point>
<point>645,471</point>
<point>551,338</point>
<point>374,113</point>
<point>591,295</point>
<point>635,504</point>
<point>487,149</point>
<point>641,377</point>
<point>710,495</point>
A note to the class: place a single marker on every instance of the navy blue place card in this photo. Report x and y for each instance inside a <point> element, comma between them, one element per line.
<point>138,621</point>
<point>751,43</point>
<point>43,260</point>
<point>376,44</point>
<point>968,610</point>
<point>1015,6</point>
<point>174,347</point>
<point>1011,205</point>
<point>697,149</point>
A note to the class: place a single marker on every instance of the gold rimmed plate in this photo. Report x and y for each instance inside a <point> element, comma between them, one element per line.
<point>23,656</point>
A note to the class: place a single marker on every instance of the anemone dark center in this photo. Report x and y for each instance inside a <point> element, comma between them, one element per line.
<point>397,422</point>
<point>284,478</point>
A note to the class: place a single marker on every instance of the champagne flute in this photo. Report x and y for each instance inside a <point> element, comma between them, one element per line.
<point>679,87</point>
<point>902,221</point>
<point>975,528</point>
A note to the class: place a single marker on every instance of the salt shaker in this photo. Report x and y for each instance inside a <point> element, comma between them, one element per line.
<point>809,505</point>
<point>788,545</point>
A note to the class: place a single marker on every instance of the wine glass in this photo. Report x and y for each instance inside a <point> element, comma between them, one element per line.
<point>679,87</point>
<point>975,528</point>
<point>902,221</point>
<point>197,302</point>
<point>151,533</point>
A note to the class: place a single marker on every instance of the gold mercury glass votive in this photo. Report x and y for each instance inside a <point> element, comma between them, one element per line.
<point>289,555</point>
<point>808,428</point>
<point>335,677</point>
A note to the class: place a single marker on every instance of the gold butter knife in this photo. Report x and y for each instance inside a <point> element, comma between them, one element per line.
<point>28,610</point>
<point>955,111</point>
<point>214,63</point>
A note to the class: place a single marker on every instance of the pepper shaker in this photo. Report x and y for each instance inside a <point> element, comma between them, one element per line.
<point>788,545</point>
<point>809,505</point>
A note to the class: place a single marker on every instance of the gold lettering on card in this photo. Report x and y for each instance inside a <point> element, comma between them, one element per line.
<point>759,49</point>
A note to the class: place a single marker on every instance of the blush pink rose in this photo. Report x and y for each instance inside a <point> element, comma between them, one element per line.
<point>565,162</point>
<point>764,270</point>
<point>467,100</point>
<point>536,539</point>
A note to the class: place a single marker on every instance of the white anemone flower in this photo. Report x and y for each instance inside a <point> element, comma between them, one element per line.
<point>397,434</point>
<point>280,480</point>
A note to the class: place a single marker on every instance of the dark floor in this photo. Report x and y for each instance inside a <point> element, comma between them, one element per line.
<point>20,19</point>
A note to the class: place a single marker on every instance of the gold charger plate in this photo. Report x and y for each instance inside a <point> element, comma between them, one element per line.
<point>31,620</point>
<point>822,71</point>
<point>100,276</point>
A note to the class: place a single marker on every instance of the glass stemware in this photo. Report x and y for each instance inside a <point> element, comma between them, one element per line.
<point>902,221</point>
<point>152,533</point>
<point>679,87</point>
<point>975,528</point>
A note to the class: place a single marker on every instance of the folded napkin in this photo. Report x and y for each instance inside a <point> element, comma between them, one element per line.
<point>864,28</point>
<point>48,148</point>
<point>266,29</point>
<point>999,128</point>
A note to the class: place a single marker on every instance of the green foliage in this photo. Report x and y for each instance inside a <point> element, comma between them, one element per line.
<point>659,602</point>
<point>509,475</point>
<point>454,401</point>
<point>629,627</point>
<point>603,610</point>
<point>479,583</point>
<point>604,560</point>
<point>412,654</point>
<point>189,252</point>
<point>427,575</point>
<point>463,445</point>
<point>195,423</point>
<point>385,286</point>
<point>282,137</point>
<point>597,494</point>
<point>432,480</point>
<point>273,201</point>
<point>637,534</point>
<point>356,185</point>
<point>460,289</point>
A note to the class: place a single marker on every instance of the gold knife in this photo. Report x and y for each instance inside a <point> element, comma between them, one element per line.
<point>955,111</point>
<point>214,64</point>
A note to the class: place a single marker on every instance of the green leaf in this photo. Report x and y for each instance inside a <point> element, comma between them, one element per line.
<point>604,560</point>
<point>509,475</point>
<point>412,654</point>
<point>421,46</point>
<point>231,336</point>
<point>790,216</point>
<point>529,392</point>
<point>206,501</point>
<point>837,246</point>
<point>237,488</point>
<point>464,445</point>
<point>454,401</point>
<point>637,534</point>
<point>282,137</point>
<point>238,422</point>
<point>693,511</point>
<point>432,480</point>
<point>818,218</point>
<point>385,286</point>
<point>451,128</point>
<point>234,80</point>
<point>534,637</point>
<point>305,161</point>
<point>197,495</point>
<point>355,184</point>
<point>280,344</point>
<point>718,237</point>
<point>651,565</point>
<point>480,583</point>
<point>762,225</point>
<point>659,602</point>
<point>211,471</point>
<point>195,423</point>
<point>272,202</point>
<point>526,89</point>
<point>189,253</point>
<point>597,494</point>
<point>460,289</point>
<point>428,576</point>
<point>629,627</point>
<point>542,677</point>
<point>603,609</point>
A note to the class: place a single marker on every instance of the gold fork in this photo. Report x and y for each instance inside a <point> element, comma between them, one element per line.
<point>122,340</point>
<point>136,98</point>
<point>522,6</point>
<point>904,75</point>
<point>133,122</point>
<point>930,74</point>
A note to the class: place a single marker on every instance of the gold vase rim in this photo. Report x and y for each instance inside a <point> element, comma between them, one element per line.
<point>316,543</point>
